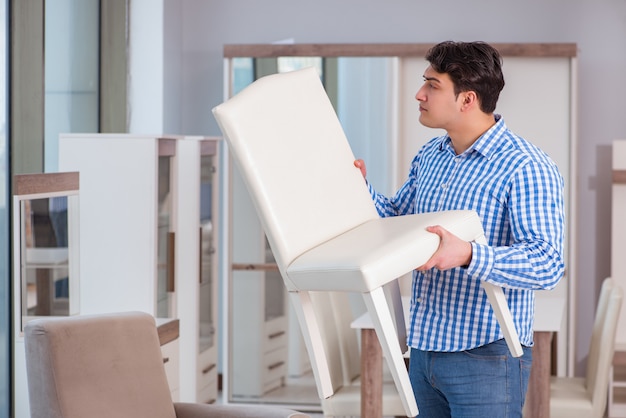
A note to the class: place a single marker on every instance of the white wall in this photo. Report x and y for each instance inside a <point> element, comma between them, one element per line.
<point>599,29</point>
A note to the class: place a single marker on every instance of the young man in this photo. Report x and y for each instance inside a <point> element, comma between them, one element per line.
<point>460,365</point>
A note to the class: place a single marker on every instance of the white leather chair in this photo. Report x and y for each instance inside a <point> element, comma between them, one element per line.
<point>322,226</point>
<point>586,397</point>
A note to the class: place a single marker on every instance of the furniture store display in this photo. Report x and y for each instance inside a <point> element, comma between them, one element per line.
<point>46,274</point>
<point>149,216</point>
<point>110,365</point>
<point>381,80</point>
<point>586,397</point>
<point>323,229</point>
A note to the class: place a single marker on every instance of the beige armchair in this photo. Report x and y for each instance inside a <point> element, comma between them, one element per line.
<point>110,365</point>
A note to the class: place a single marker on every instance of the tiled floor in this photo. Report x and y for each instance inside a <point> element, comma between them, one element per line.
<point>298,393</point>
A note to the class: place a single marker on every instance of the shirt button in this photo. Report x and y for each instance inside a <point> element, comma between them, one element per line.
<point>443,185</point>
<point>418,300</point>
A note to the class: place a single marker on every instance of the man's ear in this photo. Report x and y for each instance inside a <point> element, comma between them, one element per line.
<point>469,99</point>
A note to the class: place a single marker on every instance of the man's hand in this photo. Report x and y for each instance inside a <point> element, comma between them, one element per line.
<point>360,164</point>
<point>452,251</point>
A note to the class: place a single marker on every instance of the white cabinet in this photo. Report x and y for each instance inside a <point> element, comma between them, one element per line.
<point>147,239</point>
<point>259,357</point>
<point>390,140</point>
<point>197,310</point>
<point>257,346</point>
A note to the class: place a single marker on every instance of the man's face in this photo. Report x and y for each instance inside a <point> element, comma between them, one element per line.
<point>439,107</point>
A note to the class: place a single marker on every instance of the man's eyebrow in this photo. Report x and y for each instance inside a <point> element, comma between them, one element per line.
<point>431,79</point>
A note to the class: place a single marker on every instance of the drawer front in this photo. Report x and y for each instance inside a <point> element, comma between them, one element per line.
<point>171,364</point>
<point>208,394</point>
<point>275,334</point>
<point>207,369</point>
<point>275,363</point>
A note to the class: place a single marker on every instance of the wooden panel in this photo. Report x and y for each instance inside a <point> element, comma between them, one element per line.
<point>619,176</point>
<point>387,50</point>
<point>168,331</point>
<point>255,266</point>
<point>208,146</point>
<point>25,184</point>
<point>167,147</point>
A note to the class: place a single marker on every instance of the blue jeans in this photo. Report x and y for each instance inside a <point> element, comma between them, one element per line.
<point>485,382</point>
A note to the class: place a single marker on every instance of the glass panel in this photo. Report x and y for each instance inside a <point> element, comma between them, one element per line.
<point>4,220</point>
<point>44,258</point>
<point>274,288</point>
<point>286,64</point>
<point>71,72</point>
<point>243,73</point>
<point>207,254</point>
<point>164,240</point>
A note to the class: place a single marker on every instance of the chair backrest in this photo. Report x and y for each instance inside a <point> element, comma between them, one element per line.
<point>96,366</point>
<point>602,346</point>
<point>292,153</point>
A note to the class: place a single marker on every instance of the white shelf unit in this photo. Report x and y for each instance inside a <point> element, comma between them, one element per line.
<point>530,69</point>
<point>258,320</point>
<point>141,238</point>
<point>38,268</point>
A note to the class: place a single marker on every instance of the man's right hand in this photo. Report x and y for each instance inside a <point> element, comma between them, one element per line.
<point>360,164</point>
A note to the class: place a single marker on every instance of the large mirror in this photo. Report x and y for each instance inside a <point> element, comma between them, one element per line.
<point>372,88</point>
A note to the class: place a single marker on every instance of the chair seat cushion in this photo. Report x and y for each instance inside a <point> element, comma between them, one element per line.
<point>569,398</point>
<point>378,251</point>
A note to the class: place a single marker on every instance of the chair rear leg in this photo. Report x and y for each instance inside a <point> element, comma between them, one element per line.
<point>303,306</point>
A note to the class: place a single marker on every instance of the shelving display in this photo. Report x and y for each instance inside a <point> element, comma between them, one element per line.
<point>147,243</point>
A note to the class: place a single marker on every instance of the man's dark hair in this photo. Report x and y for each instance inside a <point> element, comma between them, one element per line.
<point>475,66</point>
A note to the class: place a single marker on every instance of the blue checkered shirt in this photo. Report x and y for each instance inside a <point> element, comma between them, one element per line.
<point>517,191</point>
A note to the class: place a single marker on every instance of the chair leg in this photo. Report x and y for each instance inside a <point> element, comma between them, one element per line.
<point>498,302</point>
<point>500,307</point>
<point>378,308</point>
<point>303,306</point>
<point>393,288</point>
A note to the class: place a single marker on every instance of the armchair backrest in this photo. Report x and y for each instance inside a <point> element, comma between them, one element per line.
<point>96,366</point>
<point>296,162</point>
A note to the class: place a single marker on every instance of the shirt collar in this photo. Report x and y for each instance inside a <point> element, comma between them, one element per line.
<point>486,144</point>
